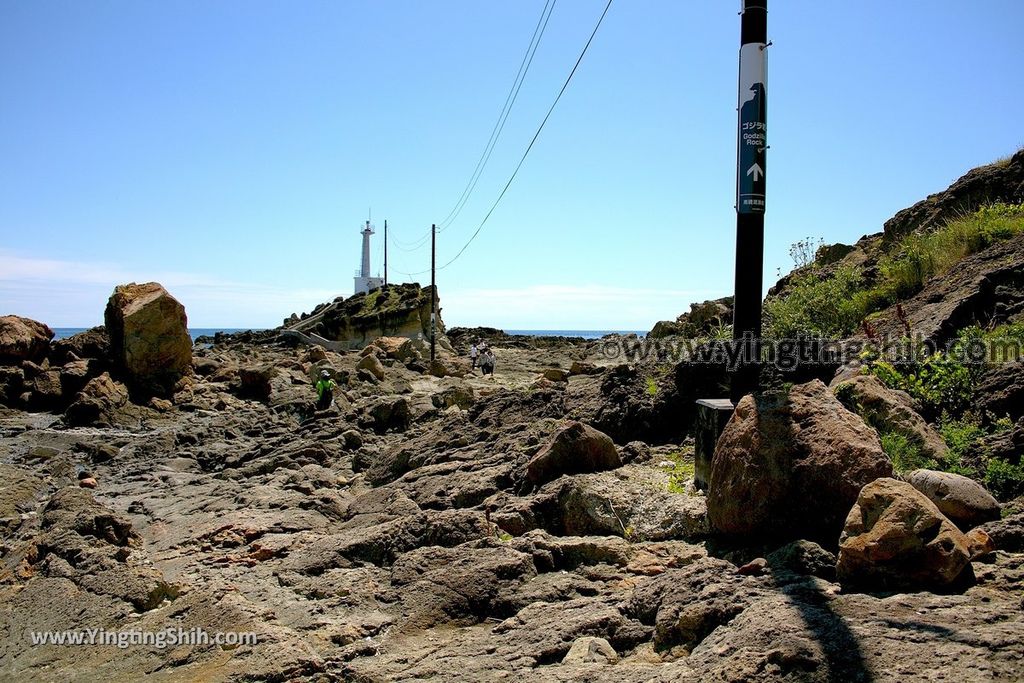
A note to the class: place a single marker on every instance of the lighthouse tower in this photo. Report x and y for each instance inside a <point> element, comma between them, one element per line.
<point>365,283</point>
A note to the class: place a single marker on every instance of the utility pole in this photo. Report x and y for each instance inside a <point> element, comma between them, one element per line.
<point>385,252</point>
<point>752,145</point>
<point>433,292</point>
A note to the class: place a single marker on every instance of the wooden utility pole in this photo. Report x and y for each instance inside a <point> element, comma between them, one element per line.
<point>385,251</point>
<point>433,292</point>
<point>752,145</point>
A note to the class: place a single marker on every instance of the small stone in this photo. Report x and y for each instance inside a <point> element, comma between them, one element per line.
<point>87,483</point>
<point>755,567</point>
<point>979,543</point>
<point>591,649</point>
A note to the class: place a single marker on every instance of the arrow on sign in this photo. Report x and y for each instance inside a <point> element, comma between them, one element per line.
<point>755,170</point>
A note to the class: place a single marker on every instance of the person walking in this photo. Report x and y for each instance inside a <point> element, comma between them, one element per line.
<point>474,353</point>
<point>487,362</point>
<point>325,387</point>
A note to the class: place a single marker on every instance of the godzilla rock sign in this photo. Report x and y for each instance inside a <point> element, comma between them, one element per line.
<point>753,132</point>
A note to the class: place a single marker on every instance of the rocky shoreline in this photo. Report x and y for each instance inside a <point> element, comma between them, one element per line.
<point>540,524</point>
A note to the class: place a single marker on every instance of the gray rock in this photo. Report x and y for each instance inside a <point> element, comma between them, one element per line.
<point>591,649</point>
<point>964,501</point>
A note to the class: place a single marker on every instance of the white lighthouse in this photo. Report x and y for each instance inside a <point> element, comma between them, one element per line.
<point>365,283</point>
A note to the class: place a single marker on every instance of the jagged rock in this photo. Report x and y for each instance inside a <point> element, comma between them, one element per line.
<point>75,374</point>
<point>460,395</point>
<point>459,586</point>
<point>581,368</point>
<point>99,403</point>
<point>19,493</point>
<point>23,339</point>
<point>704,318</point>
<point>371,364</point>
<point>46,389</point>
<point>889,410</point>
<point>398,348</point>
<point>386,414</point>
<point>604,504</point>
<point>964,501</point>
<point>574,449</point>
<point>1001,390</point>
<point>895,538</point>
<point>999,182</point>
<point>979,543</point>
<point>803,558</point>
<point>315,354</point>
<point>149,336</point>
<point>93,343</point>
<point>255,381</point>
<point>791,465</point>
<point>556,375</point>
<point>591,649</point>
<point>985,289</point>
<point>1007,534</point>
<point>85,542</point>
<point>401,310</point>
<point>12,381</point>
<point>685,605</point>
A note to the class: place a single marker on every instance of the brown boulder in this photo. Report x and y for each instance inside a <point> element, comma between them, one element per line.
<point>399,348</point>
<point>964,501</point>
<point>888,411</point>
<point>23,339</point>
<point>149,336</point>
<point>371,363</point>
<point>98,403</point>
<point>896,539</point>
<point>46,390</point>
<point>791,466</point>
<point>556,375</point>
<point>574,449</point>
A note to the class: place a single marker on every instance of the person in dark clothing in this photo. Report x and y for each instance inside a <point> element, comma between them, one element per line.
<point>487,362</point>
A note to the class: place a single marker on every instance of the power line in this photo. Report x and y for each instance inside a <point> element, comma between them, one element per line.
<point>529,147</point>
<point>499,125</point>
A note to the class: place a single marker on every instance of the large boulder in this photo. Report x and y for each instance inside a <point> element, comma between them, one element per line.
<point>964,501</point>
<point>574,449</point>
<point>890,411</point>
<point>23,339</point>
<point>1007,534</point>
<point>791,466</point>
<point>371,363</point>
<point>398,348</point>
<point>896,539</point>
<point>149,337</point>
<point>99,403</point>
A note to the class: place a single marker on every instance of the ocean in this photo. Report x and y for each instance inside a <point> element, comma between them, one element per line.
<point>62,332</point>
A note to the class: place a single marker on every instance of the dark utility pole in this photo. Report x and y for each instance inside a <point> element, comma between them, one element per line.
<point>433,293</point>
<point>752,136</point>
<point>385,251</point>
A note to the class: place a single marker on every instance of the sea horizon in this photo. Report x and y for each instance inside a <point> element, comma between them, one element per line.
<point>64,332</point>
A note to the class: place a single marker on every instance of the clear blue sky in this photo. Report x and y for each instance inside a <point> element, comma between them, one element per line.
<point>232,149</point>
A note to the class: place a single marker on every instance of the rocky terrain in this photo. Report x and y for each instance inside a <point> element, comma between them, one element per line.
<point>436,524</point>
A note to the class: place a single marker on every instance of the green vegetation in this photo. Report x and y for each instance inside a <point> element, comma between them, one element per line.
<point>680,472</point>
<point>1005,480</point>
<point>921,257</point>
<point>816,306</point>
<point>904,454</point>
<point>835,304</point>
<point>652,387</point>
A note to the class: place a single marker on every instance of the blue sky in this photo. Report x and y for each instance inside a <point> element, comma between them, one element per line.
<point>231,150</point>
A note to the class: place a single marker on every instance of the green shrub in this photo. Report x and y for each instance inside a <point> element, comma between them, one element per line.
<point>816,306</point>
<point>919,257</point>
<point>940,384</point>
<point>652,387</point>
<point>1004,479</point>
<point>904,455</point>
